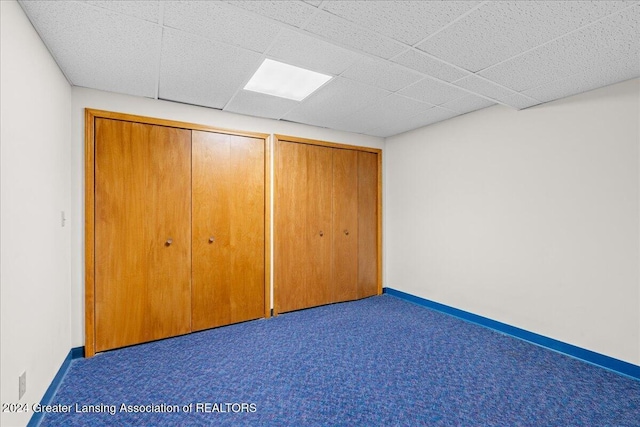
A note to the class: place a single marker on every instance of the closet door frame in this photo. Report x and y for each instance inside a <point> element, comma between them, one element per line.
<point>89,206</point>
<point>378,152</point>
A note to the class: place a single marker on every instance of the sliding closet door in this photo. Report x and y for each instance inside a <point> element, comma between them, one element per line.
<point>302,223</point>
<point>367,224</point>
<point>228,229</point>
<point>344,283</point>
<point>142,233</point>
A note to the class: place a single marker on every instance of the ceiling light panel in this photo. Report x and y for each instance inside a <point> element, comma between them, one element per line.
<point>405,21</point>
<point>609,41</point>
<point>221,22</point>
<point>432,91</point>
<point>293,13</point>
<point>286,81</point>
<point>421,62</point>
<point>344,33</point>
<point>198,71</point>
<point>260,105</point>
<point>147,10</point>
<point>382,74</point>
<point>308,52</point>
<point>499,30</point>
<point>91,44</point>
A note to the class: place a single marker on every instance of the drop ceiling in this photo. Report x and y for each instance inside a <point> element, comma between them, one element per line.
<point>397,65</point>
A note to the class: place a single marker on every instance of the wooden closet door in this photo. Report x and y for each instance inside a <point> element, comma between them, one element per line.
<point>344,281</point>
<point>290,216</point>
<point>367,224</point>
<point>302,226</point>
<point>228,229</point>
<point>142,233</point>
<point>320,233</point>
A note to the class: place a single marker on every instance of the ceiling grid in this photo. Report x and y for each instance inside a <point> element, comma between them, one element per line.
<point>396,65</point>
<point>158,68</point>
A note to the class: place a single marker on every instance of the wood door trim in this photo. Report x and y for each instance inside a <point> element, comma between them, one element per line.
<point>327,144</point>
<point>89,237</point>
<point>172,123</point>
<point>379,249</point>
<point>89,206</point>
<point>267,227</point>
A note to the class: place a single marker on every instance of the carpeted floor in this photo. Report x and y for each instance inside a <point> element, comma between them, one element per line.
<point>380,361</point>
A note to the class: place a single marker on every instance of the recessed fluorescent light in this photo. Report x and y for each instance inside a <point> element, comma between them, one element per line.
<point>286,81</point>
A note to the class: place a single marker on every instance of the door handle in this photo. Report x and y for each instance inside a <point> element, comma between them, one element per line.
<point>212,239</point>
<point>169,241</point>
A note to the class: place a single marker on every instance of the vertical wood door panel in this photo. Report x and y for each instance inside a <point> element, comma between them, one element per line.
<point>142,200</point>
<point>344,280</point>
<point>367,224</point>
<point>228,207</point>
<point>290,215</point>
<point>302,226</point>
<point>320,233</point>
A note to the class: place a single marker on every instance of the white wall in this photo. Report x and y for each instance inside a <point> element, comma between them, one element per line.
<point>88,98</point>
<point>526,217</point>
<point>35,187</point>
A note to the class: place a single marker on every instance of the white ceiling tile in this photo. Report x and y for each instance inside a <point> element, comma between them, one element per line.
<point>147,10</point>
<point>484,87</point>
<point>382,132</point>
<point>341,31</point>
<point>211,48</point>
<point>221,22</point>
<point>467,104</point>
<point>315,3</point>
<point>519,101</point>
<point>383,113</point>
<point>290,12</point>
<point>393,109</point>
<point>586,80</point>
<point>308,52</point>
<point>613,40</point>
<point>406,21</point>
<point>421,62</point>
<point>431,116</point>
<point>337,99</point>
<point>432,91</point>
<point>91,45</point>
<point>346,125</point>
<point>260,105</point>
<point>499,30</point>
<point>198,71</point>
<point>421,119</point>
<point>381,73</point>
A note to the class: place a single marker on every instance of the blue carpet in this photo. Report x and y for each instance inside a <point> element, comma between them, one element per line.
<point>375,362</point>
